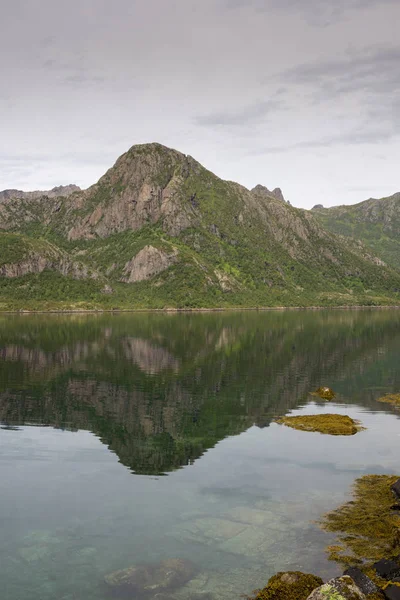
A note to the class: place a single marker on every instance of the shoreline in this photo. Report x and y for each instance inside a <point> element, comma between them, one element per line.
<point>23,311</point>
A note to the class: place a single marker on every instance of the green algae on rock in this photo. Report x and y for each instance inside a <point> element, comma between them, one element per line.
<point>330,424</point>
<point>393,399</point>
<point>368,530</point>
<point>325,393</point>
<point>340,588</point>
<point>292,584</point>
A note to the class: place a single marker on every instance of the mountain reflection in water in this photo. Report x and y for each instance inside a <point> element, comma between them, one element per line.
<point>160,390</point>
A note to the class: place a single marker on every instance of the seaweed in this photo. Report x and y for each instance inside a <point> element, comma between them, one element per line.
<point>293,584</point>
<point>330,424</point>
<point>391,399</point>
<point>368,530</point>
<point>325,393</point>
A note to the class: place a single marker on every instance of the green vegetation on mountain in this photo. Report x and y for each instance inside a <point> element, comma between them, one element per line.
<point>158,230</point>
<point>375,222</point>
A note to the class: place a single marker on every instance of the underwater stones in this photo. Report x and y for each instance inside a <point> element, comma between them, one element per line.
<point>340,588</point>
<point>366,585</point>
<point>292,584</point>
<point>33,553</point>
<point>329,424</point>
<point>167,575</point>
<point>325,393</point>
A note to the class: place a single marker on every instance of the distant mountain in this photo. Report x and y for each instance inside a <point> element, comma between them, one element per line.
<point>159,230</point>
<point>375,222</point>
<point>61,190</point>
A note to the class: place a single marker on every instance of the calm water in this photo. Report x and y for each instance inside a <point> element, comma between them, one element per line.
<point>130,439</point>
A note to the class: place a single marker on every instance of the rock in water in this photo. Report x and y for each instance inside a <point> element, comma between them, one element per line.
<point>167,575</point>
<point>292,585</point>
<point>366,585</point>
<point>392,592</point>
<point>325,393</point>
<point>324,423</point>
<point>341,588</point>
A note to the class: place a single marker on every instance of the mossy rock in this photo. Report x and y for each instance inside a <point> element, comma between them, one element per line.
<point>341,588</point>
<point>330,424</point>
<point>368,530</point>
<point>393,399</point>
<point>292,584</point>
<point>325,393</point>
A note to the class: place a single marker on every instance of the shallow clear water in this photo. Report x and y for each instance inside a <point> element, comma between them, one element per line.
<point>129,439</point>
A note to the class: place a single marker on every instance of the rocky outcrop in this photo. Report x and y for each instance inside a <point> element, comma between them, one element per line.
<point>340,588</point>
<point>147,263</point>
<point>261,190</point>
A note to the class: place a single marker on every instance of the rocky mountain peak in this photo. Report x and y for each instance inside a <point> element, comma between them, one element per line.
<point>264,191</point>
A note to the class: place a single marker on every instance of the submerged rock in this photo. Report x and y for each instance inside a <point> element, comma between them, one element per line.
<point>325,393</point>
<point>326,423</point>
<point>292,584</point>
<point>340,588</point>
<point>152,579</point>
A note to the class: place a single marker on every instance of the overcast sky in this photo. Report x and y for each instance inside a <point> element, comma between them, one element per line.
<point>300,94</point>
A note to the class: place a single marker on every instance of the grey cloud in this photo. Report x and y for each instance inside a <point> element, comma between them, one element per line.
<point>316,12</point>
<point>248,115</point>
<point>373,69</point>
<point>355,138</point>
<point>369,78</point>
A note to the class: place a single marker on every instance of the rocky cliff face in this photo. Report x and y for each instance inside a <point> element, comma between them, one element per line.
<point>159,219</point>
<point>261,190</point>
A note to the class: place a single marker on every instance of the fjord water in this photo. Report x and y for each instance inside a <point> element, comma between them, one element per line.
<point>128,439</point>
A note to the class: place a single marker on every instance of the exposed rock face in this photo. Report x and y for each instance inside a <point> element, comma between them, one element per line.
<point>61,190</point>
<point>148,262</point>
<point>144,186</point>
<point>262,190</point>
<point>246,243</point>
<point>341,588</point>
<point>317,206</point>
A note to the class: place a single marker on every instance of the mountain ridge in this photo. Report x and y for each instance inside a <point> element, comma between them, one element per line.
<point>160,230</point>
<point>376,222</point>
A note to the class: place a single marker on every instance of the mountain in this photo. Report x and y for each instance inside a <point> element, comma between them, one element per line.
<point>375,222</point>
<point>159,230</point>
<point>60,190</point>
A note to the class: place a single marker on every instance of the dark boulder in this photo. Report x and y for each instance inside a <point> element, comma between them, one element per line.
<point>362,581</point>
<point>392,592</point>
<point>396,488</point>
<point>387,569</point>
